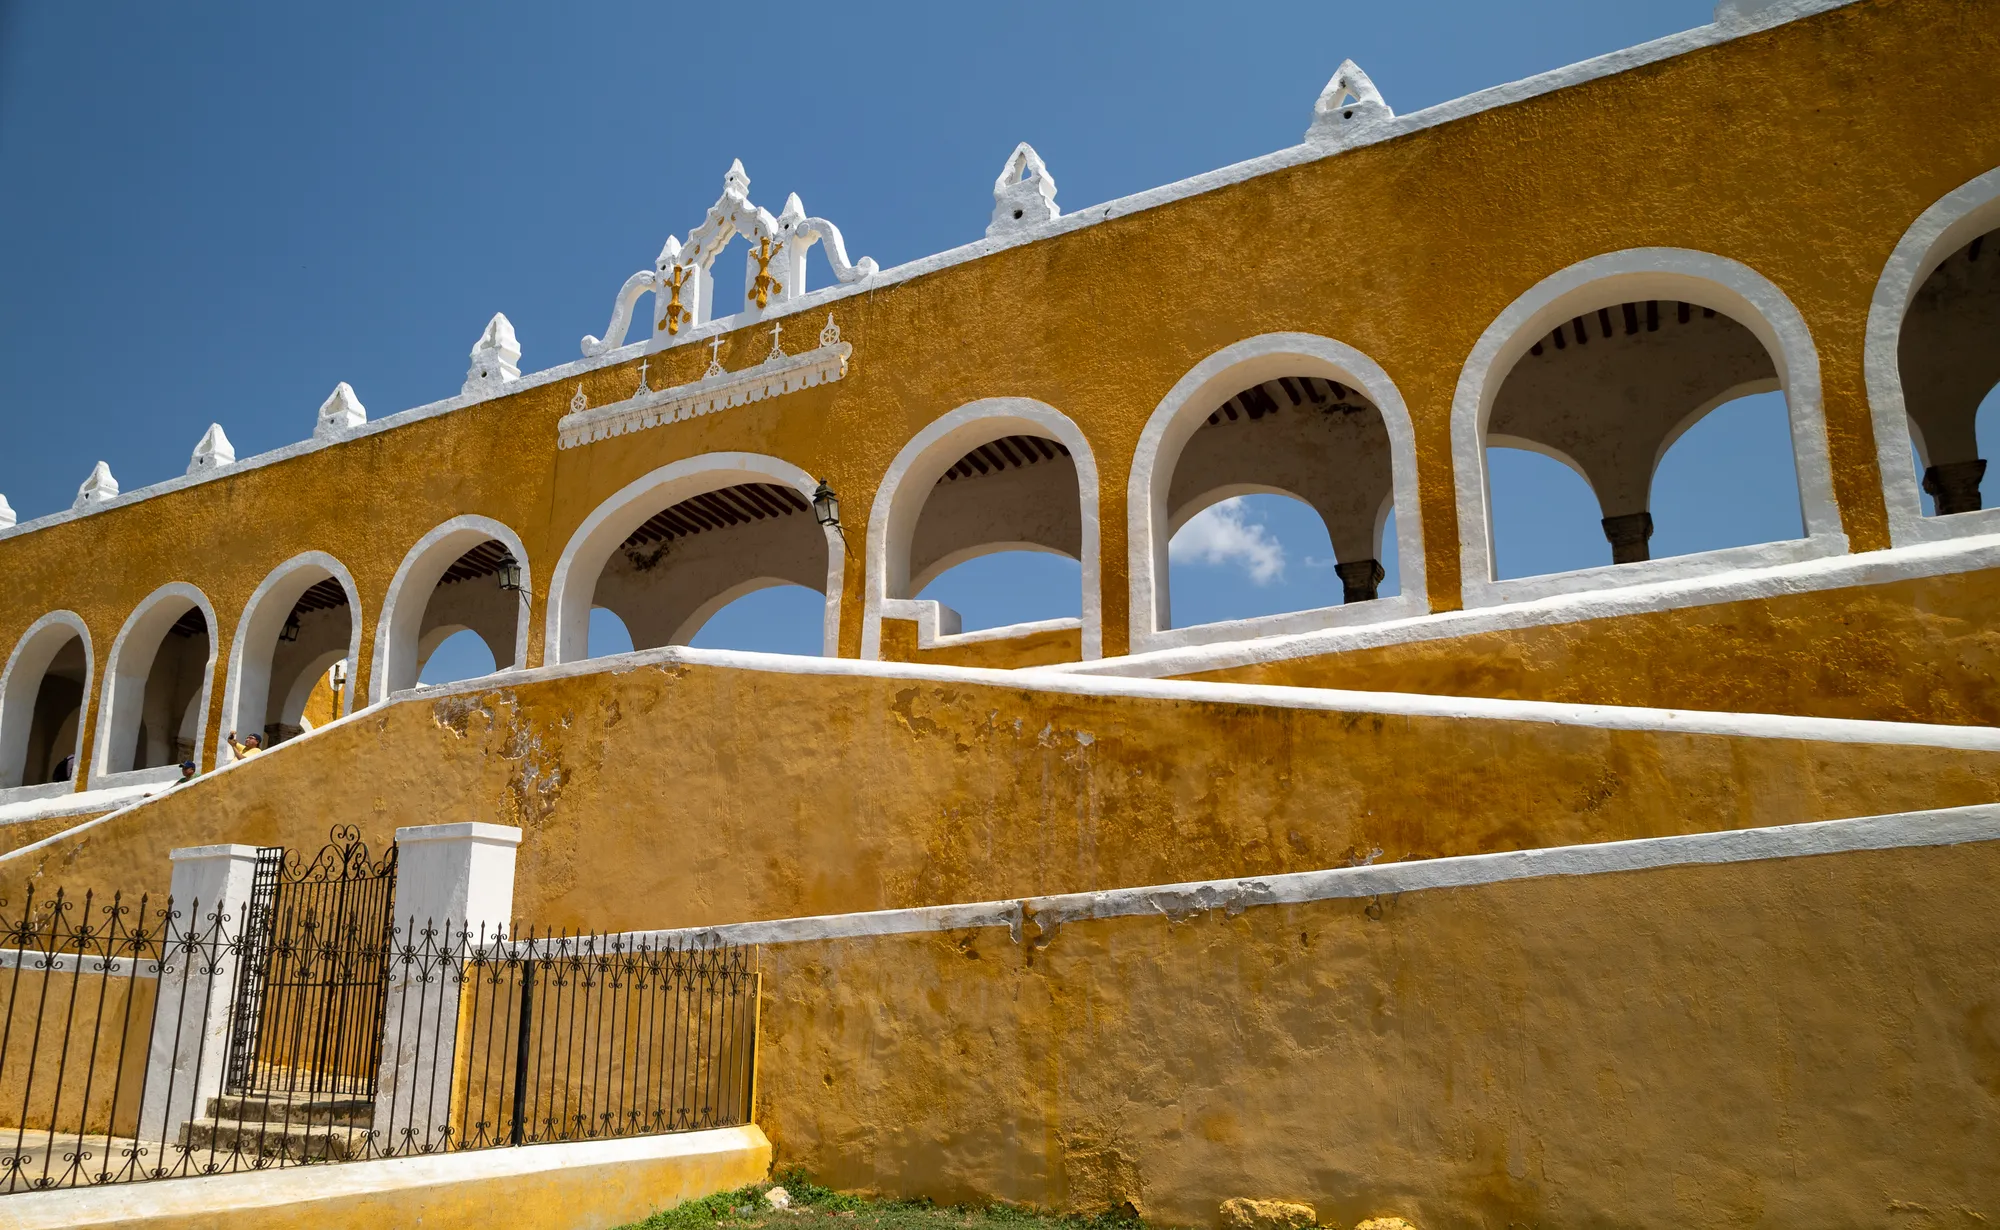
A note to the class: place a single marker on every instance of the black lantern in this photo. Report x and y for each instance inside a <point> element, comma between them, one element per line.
<point>290,632</point>
<point>826,506</point>
<point>510,574</point>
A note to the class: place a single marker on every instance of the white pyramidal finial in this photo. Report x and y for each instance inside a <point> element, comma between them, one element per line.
<point>6,513</point>
<point>1024,196</point>
<point>1349,108</point>
<point>496,356</point>
<point>214,452</point>
<point>736,180</point>
<point>96,489</point>
<point>340,413</point>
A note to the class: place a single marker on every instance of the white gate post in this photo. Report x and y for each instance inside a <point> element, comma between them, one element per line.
<point>197,992</point>
<point>450,878</point>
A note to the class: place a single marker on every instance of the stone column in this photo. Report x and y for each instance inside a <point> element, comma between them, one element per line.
<point>1955,485</point>
<point>1628,534</point>
<point>452,880</point>
<point>197,990</point>
<point>1361,580</point>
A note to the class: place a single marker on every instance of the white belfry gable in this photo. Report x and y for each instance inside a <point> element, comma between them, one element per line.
<point>96,489</point>
<point>718,389</point>
<point>496,356</point>
<point>1350,107</point>
<point>340,413</point>
<point>683,282</point>
<point>6,513</point>
<point>214,452</point>
<point>1024,196</point>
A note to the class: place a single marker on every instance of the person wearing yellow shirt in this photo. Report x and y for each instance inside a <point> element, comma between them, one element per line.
<point>252,746</point>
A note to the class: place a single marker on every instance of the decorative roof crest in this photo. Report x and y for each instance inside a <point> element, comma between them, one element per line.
<point>496,356</point>
<point>214,452</point>
<point>6,513</point>
<point>1349,108</point>
<point>96,489</point>
<point>682,280</point>
<point>340,413</point>
<point>1024,197</point>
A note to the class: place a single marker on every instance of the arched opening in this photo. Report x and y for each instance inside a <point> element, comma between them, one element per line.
<point>663,556</point>
<point>1274,491</point>
<point>471,573</point>
<point>988,480</point>
<point>452,652</point>
<point>1609,390</point>
<point>1949,358</point>
<point>1317,445</point>
<point>297,626</point>
<point>1602,368</point>
<point>42,694</point>
<point>772,618</point>
<point>1544,515</point>
<point>979,532</point>
<point>157,680</point>
<point>685,564</point>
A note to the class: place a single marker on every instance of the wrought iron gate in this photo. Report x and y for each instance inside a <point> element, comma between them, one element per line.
<point>313,980</point>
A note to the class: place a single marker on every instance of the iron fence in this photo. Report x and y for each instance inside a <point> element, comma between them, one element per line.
<point>123,1022</point>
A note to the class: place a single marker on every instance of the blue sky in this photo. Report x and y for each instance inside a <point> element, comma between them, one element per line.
<point>216,212</point>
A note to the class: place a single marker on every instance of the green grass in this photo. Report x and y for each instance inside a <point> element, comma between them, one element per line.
<point>821,1208</point>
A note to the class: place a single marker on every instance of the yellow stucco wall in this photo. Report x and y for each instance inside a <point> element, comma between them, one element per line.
<point>787,794</point>
<point>593,1186</point>
<point>1044,648</point>
<point>1810,1042</point>
<point>1405,250</point>
<point>1905,651</point>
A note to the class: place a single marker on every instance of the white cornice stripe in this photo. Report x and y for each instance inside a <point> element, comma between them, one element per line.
<point>1700,38</point>
<point>1902,830</point>
<point>1803,577</point>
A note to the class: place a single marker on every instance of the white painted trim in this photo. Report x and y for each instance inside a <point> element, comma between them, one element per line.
<point>17,709</point>
<point>1899,831</point>
<point>1510,94</point>
<point>574,582</point>
<point>24,804</point>
<point>417,578</point>
<point>1732,289</point>
<point>110,704</point>
<point>389,1183</point>
<point>907,484</point>
<point>1183,411</point>
<point>1749,584</point>
<point>58,961</point>
<point>1970,210</point>
<point>250,623</point>
<point>776,375</point>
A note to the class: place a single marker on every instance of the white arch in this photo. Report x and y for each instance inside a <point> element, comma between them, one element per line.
<point>131,661</point>
<point>1970,210</point>
<point>892,520</point>
<point>396,662</point>
<point>567,638</point>
<point>1701,278</point>
<point>21,683</point>
<point>1183,411</point>
<point>248,684</point>
<point>294,705</point>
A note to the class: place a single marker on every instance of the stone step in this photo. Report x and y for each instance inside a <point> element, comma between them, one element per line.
<point>296,1142</point>
<point>323,1110</point>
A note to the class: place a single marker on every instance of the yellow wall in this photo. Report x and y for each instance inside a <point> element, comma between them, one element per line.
<point>1905,651</point>
<point>1047,648</point>
<point>1405,250</point>
<point>74,1056</point>
<point>1811,1042</point>
<point>786,794</point>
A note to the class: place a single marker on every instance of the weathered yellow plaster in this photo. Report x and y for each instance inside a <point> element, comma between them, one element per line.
<point>789,794</point>
<point>1905,651</point>
<point>1807,1042</point>
<point>1047,648</point>
<point>589,1186</point>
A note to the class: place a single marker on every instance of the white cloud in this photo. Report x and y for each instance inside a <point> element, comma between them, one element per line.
<point>1220,534</point>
